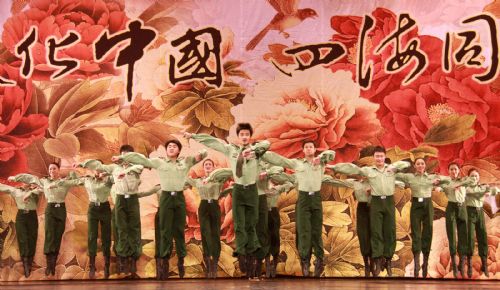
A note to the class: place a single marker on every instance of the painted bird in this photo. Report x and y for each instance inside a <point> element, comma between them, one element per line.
<point>287,17</point>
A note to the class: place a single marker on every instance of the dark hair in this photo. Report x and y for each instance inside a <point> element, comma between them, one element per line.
<point>126,148</point>
<point>55,163</point>
<point>244,126</point>
<point>208,159</point>
<point>176,142</point>
<point>387,160</point>
<point>453,163</point>
<point>307,141</point>
<point>472,170</point>
<point>366,151</point>
<point>378,149</point>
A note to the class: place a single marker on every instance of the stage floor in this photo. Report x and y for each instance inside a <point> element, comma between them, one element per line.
<point>278,284</point>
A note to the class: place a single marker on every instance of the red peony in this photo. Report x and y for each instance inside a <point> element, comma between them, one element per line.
<point>56,18</point>
<point>17,129</point>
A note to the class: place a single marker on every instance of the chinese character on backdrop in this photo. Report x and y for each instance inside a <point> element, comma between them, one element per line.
<point>308,56</point>
<point>69,65</point>
<point>24,51</point>
<point>201,57</point>
<point>402,56</point>
<point>138,38</point>
<point>469,52</point>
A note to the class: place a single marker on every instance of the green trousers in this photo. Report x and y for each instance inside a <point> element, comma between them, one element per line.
<point>456,226</point>
<point>99,215</point>
<point>273,219</point>
<point>114,230</point>
<point>363,228</point>
<point>209,217</point>
<point>245,216</point>
<point>261,229</point>
<point>309,221</point>
<point>128,226</point>
<point>55,224</point>
<point>172,223</point>
<point>27,232</point>
<point>475,225</point>
<point>383,226</point>
<point>421,218</point>
<point>157,234</point>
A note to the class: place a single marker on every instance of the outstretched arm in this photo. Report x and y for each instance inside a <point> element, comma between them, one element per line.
<point>278,160</point>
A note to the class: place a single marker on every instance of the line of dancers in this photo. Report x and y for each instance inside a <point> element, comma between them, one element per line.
<point>259,177</point>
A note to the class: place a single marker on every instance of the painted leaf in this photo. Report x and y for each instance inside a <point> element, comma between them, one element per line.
<point>397,154</point>
<point>103,110</point>
<point>64,146</point>
<point>403,222</point>
<point>453,129</point>
<point>340,269</point>
<point>179,102</point>
<point>145,137</point>
<point>149,249</point>
<point>91,141</point>
<point>162,24</point>
<point>277,55</point>
<point>75,243</point>
<point>140,110</point>
<point>10,246</point>
<point>39,103</point>
<point>493,8</point>
<point>194,255</point>
<point>226,260</point>
<point>333,214</point>
<point>8,208</point>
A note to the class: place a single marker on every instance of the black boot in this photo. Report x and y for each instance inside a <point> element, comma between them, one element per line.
<point>416,264</point>
<point>206,260</point>
<point>318,267</point>
<point>484,266</point>
<point>180,267</point>
<point>158,267</point>
<point>165,265</point>
<point>469,266</point>
<point>92,267</point>
<point>377,267</point>
<point>133,266</point>
<point>425,265</point>
<point>366,259</point>
<point>26,267</point>
<point>30,264</point>
<point>388,266</point>
<point>373,266</point>
<point>215,267</point>
<point>461,263</point>
<point>54,261</point>
<point>258,268</point>
<point>107,263</point>
<point>274,265</point>
<point>305,264</point>
<point>268,266</point>
<point>48,268</point>
<point>242,260</point>
<point>454,266</point>
<point>250,266</point>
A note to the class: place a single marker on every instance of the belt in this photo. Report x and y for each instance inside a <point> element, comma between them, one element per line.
<point>173,193</point>
<point>209,200</point>
<point>309,192</point>
<point>127,196</point>
<point>457,203</point>
<point>245,186</point>
<point>478,208</point>
<point>26,211</point>
<point>56,204</point>
<point>420,199</point>
<point>98,203</point>
<point>381,196</point>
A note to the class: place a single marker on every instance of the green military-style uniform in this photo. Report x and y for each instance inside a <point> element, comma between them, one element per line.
<point>382,208</point>
<point>474,201</point>
<point>172,212</point>
<point>26,219</point>
<point>309,209</point>
<point>456,214</point>
<point>262,222</point>
<point>209,215</point>
<point>422,210</point>
<point>126,179</point>
<point>245,194</point>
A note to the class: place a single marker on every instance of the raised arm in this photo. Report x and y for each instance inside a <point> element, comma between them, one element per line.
<point>7,189</point>
<point>278,160</point>
<point>152,191</point>
<point>400,165</point>
<point>403,177</point>
<point>220,175</point>
<point>137,159</point>
<point>260,147</point>
<point>97,165</point>
<point>192,160</point>
<point>337,182</point>
<point>26,178</point>
<point>326,156</point>
<point>210,142</point>
<point>347,168</point>
<point>277,175</point>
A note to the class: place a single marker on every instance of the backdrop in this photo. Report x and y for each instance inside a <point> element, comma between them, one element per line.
<point>79,78</point>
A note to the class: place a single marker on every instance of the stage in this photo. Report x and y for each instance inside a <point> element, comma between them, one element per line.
<point>241,284</point>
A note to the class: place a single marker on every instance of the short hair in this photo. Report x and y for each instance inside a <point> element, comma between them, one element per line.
<point>379,149</point>
<point>453,163</point>
<point>244,126</point>
<point>472,170</point>
<point>55,163</point>
<point>176,142</point>
<point>366,151</point>
<point>126,148</point>
<point>207,160</point>
<point>307,141</point>
<point>387,160</point>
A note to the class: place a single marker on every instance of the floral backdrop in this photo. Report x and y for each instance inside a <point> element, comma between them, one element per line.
<point>443,116</point>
